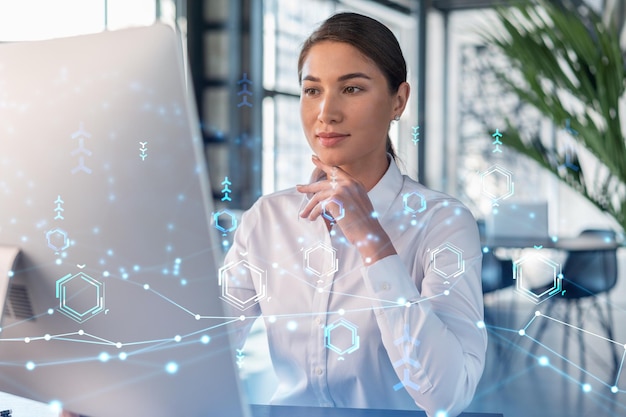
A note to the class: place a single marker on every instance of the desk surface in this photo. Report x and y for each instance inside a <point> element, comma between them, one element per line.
<point>288,411</point>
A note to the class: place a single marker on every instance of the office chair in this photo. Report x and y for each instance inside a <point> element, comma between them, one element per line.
<point>586,275</point>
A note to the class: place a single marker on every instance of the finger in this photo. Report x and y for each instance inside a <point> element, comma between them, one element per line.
<point>315,201</point>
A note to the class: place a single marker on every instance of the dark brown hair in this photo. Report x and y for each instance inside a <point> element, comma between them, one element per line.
<point>371,38</point>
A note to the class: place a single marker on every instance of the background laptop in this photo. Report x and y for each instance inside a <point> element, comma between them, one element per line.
<point>520,221</point>
<point>113,307</point>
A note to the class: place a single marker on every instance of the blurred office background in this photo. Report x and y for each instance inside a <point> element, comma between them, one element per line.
<point>242,56</point>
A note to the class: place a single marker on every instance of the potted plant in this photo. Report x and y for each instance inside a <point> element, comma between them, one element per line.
<point>566,62</point>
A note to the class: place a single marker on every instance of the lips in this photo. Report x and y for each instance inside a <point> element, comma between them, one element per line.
<point>329,139</point>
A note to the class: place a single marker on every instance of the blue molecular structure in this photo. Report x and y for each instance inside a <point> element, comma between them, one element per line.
<point>414,202</point>
<point>497,141</point>
<point>143,150</point>
<point>244,92</point>
<point>81,135</point>
<point>408,344</point>
<point>232,274</point>
<point>58,210</point>
<point>416,134</point>
<point>328,256</point>
<point>57,239</point>
<point>442,265</point>
<point>226,190</point>
<point>347,348</point>
<point>327,215</point>
<point>550,268</point>
<point>495,193</point>
<point>221,225</point>
<point>80,296</point>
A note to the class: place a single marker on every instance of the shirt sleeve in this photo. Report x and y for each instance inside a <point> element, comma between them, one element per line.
<point>240,280</point>
<point>433,329</point>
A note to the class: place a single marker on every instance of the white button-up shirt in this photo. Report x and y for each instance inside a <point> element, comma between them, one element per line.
<point>405,330</point>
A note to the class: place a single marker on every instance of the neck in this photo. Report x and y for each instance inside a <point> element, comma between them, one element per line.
<point>368,174</point>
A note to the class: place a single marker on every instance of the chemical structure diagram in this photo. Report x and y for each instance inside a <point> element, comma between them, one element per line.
<point>81,134</point>
<point>491,181</point>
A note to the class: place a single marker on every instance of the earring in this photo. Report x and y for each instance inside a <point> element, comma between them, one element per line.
<point>397,117</point>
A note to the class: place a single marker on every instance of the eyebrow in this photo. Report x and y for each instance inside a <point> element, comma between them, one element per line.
<point>344,77</point>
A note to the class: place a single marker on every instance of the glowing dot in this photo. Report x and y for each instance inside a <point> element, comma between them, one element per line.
<point>205,339</point>
<point>292,326</point>
<point>480,324</point>
<point>30,365</point>
<point>446,292</point>
<point>122,356</point>
<point>272,319</point>
<point>341,311</point>
<point>81,332</point>
<point>118,345</point>
<point>58,262</point>
<point>124,275</point>
<point>106,274</point>
<point>177,261</point>
<point>320,290</point>
<point>177,338</point>
<point>374,214</point>
<point>408,304</point>
<point>136,268</point>
<point>441,414</point>
<point>146,287</point>
<point>171,367</point>
<point>401,301</point>
<point>110,252</point>
<point>537,313</point>
<point>614,389</point>
<point>56,406</point>
<point>485,249</point>
<point>586,388</point>
<point>242,317</point>
<point>522,332</point>
<point>544,361</point>
<point>104,357</point>
<point>27,340</point>
<point>368,260</point>
<point>197,316</point>
<point>47,337</point>
<point>50,311</point>
<point>10,274</point>
<point>274,265</point>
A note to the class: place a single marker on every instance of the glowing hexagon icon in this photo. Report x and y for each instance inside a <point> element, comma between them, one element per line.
<point>80,296</point>
<point>327,215</point>
<point>321,260</point>
<point>542,266</point>
<point>414,202</point>
<point>341,337</point>
<point>234,274</point>
<point>57,239</point>
<point>225,221</point>
<point>491,180</point>
<point>448,261</point>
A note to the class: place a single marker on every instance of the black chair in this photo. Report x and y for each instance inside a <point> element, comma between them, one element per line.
<point>587,274</point>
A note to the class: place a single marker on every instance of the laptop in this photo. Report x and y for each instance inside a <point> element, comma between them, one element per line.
<point>521,221</point>
<point>112,307</point>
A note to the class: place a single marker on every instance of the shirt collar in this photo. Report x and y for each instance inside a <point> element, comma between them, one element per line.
<point>386,189</point>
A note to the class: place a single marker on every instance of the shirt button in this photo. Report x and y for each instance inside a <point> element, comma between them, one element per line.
<point>318,321</point>
<point>319,371</point>
<point>385,286</point>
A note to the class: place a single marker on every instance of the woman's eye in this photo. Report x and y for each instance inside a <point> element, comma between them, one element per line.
<point>352,89</point>
<point>309,91</point>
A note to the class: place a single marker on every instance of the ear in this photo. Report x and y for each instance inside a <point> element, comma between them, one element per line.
<point>401,98</point>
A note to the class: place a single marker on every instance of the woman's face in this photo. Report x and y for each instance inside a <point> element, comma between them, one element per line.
<point>346,106</point>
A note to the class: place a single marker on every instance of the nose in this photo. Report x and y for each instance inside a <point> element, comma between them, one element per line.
<point>330,109</point>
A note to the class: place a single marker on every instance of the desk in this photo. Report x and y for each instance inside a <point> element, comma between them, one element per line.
<point>289,411</point>
<point>570,244</point>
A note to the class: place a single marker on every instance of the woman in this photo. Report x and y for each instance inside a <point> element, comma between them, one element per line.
<point>368,282</point>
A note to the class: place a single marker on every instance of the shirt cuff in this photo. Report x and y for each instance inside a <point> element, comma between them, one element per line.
<point>388,279</point>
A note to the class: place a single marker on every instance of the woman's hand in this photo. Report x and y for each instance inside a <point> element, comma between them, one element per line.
<point>343,200</point>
